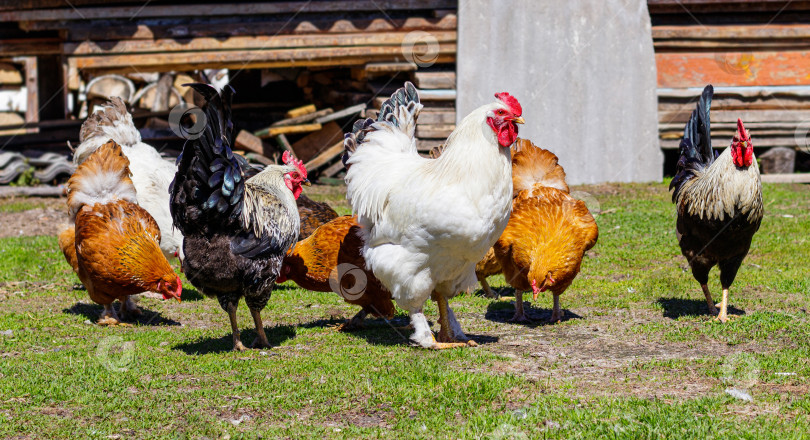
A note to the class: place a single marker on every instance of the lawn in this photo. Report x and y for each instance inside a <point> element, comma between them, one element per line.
<point>636,356</point>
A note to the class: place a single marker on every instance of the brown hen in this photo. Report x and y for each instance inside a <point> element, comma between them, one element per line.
<point>330,260</point>
<point>548,231</point>
<point>313,214</point>
<point>114,243</point>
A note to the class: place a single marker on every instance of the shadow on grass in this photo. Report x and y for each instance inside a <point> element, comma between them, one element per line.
<point>502,311</point>
<point>676,307</point>
<point>393,332</point>
<point>275,335</point>
<point>93,311</point>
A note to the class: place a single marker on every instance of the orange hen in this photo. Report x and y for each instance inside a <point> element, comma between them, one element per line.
<point>548,232</point>
<point>114,243</point>
<point>330,260</point>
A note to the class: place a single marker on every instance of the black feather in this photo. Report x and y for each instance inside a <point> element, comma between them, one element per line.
<point>696,145</point>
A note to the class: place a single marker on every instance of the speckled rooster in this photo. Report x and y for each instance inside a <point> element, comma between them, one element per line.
<point>236,229</point>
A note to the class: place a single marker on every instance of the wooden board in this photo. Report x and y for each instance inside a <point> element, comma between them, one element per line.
<point>245,59</point>
<point>213,10</point>
<point>766,68</point>
<point>287,129</point>
<point>10,75</point>
<point>434,131</point>
<point>434,80</point>
<point>312,144</point>
<point>325,156</point>
<point>301,111</point>
<point>263,42</point>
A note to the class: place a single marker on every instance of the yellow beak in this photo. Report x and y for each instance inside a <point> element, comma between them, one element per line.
<point>307,182</point>
<point>519,120</point>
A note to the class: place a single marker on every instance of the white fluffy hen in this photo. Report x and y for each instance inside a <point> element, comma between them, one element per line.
<point>151,174</point>
<point>427,222</point>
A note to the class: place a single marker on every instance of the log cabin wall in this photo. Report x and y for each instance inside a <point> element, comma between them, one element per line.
<point>757,56</point>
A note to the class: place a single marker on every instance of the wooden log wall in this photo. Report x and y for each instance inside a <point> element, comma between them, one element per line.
<point>756,54</point>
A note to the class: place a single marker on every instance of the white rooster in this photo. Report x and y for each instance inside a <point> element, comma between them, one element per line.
<point>427,222</point>
<point>151,174</point>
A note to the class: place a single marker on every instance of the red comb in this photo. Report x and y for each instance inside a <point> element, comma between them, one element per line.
<point>288,159</point>
<point>510,102</point>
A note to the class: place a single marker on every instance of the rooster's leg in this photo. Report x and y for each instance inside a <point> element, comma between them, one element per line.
<point>556,311</point>
<point>450,333</point>
<point>237,343</point>
<point>709,300</point>
<point>723,315</point>
<point>520,315</point>
<point>108,316</point>
<point>261,339</point>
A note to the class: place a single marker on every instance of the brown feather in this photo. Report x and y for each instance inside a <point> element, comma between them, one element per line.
<point>67,243</point>
<point>532,166</point>
<point>314,259</point>
<point>313,214</point>
<point>548,233</point>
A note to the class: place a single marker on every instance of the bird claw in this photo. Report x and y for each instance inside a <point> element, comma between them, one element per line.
<point>238,346</point>
<point>259,343</point>
<point>520,318</point>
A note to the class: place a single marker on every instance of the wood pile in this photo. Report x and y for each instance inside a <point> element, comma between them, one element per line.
<point>754,53</point>
<point>303,70</point>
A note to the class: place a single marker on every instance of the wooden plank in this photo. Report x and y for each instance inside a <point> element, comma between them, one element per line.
<point>786,178</point>
<point>396,67</point>
<point>300,111</point>
<point>434,80</point>
<point>303,118</point>
<point>731,32</point>
<point>243,27</point>
<point>10,75</point>
<point>312,144</point>
<point>440,117</point>
<point>325,156</point>
<point>282,142</point>
<point>287,129</point>
<point>696,69</point>
<point>348,111</point>
<point>250,142</point>
<point>226,60</point>
<point>214,10</point>
<point>437,95</point>
<point>263,42</point>
<point>333,169</point>
<point>30,46</point>
<point>434,131</point>
<point>681,116</point>
<point>32,104</point>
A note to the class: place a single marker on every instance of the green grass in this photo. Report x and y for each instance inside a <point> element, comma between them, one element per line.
<point>637,356</point>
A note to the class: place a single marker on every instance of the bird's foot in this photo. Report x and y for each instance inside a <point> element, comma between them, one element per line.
<point>129,311</point>
<point>520,318</point>
<point>260,343</point>
<point>443,345</point>
<point>555,318</point>
<point>724,317</point>
<point>713,311</point>
<point>108,321</point>
<point>349,326</point>
<point>238,346</point>
<point>445,337</point>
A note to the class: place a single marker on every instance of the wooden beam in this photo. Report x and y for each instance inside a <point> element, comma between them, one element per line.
<point>287,129</point>
<point>301,111</point>
<point>253,59</point>
<point>263,42</point>
<point>128,30</point>
<point>696,69</point>
<point>325,156</point>
<point>214,10</point>
<point>434,80</point>
<point>786,178</point>
<point>348,111</point>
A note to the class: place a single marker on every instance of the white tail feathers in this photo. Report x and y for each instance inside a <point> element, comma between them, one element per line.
<point>103,177</point>
<point>114,122</point>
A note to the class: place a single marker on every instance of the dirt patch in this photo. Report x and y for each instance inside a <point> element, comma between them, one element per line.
<point>604,357</point>
<point>48,217</point>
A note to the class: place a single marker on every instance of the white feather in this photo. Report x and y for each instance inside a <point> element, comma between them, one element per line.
<point>427,222</point>
<point>151,175</point>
